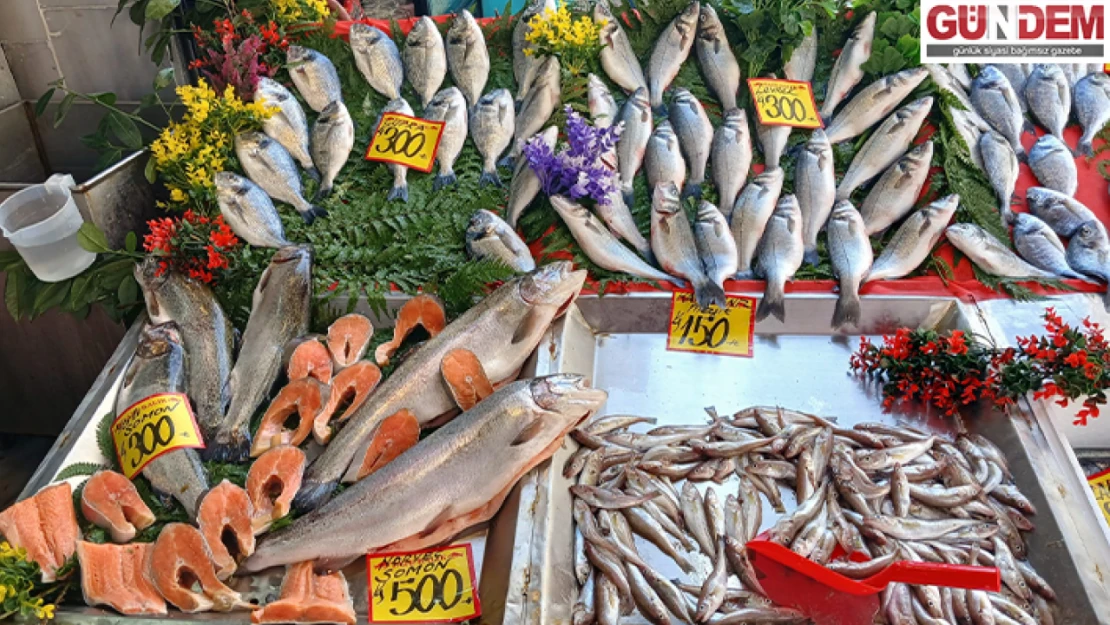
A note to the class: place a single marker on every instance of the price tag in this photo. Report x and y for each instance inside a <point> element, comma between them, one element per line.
<point>785,103</point>
<point>152,427</point>
<point>404,140</point>
<point>1100,485</point>
<point>725,332</point>
<point>431,586</point>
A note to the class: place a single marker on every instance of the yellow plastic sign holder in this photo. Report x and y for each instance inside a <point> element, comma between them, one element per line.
<point>151,427</point>
<point>725,332</point>
<point>430,586</point>
<point>785,103</point>
<point>404,140</point>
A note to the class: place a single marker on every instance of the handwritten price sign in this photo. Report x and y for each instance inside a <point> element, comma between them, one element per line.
<point>785,103</point>
<point>725,332</point>
<point>405,140</point>
<point>1100,485</point>
<point>431,586</point>
<point>149,428</point>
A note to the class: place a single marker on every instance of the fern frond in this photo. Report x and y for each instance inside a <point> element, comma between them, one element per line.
<point>104,440</point>
<point>78,469</point>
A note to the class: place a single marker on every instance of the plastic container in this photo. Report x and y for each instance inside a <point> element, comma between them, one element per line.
<point>42,222</point>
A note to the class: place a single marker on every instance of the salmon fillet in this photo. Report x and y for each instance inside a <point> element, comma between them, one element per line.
<point>309,598</point>
<point>113,575</point>
<point>111,501</point>
<point>272,482</point>
<point>45,526</point>
<point>224,518</point>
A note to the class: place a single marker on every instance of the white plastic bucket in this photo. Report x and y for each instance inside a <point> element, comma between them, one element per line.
<point>42,222</point>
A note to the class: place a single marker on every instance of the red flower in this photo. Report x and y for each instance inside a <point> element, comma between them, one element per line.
<point>1078,359</point>
<point>1048,390</point>
<point>957,345</point>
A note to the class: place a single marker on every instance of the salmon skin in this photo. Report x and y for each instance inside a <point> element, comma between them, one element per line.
<point>501,330</point>
<point>424,311</point>
<point>352,387</point>
<point>308,598</point>
<point>465,377</point>
<point>180,559</point>
<point>455,478</point>
<point>45,526</point>
<point>349,338</point>
<point>111,501</point>
<point>397,433</point>
<point>113,575</point>
<point>272,482</point>
<point>306,398</point>
<point>225,522</point>
<point>309,358</point>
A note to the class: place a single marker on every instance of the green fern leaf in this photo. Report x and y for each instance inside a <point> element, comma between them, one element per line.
<point>78,469</point>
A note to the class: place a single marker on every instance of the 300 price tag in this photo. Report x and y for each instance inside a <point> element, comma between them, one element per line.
<point>1100,485</point>
<point>785,103</point>
<point>725,332</point>
<point>431,586</point>
<point>404,140</point>
<point>152,427</point>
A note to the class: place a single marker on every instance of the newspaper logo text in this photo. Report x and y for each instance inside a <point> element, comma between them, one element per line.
<point>1008,32</point>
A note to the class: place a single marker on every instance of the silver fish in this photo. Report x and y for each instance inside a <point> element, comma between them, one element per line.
<point>467,57</point>
<point>488,236</point>
<point>1089,252</point>
<point>753,210</point>
<point>695,136</point>
<point>815,188</point>
<point>772,142</point>
<point>718,63</point>
<point>1048,95</point>
<point>915,529</point>
<point>803,60</point>
<point>670,594</point>
<point>873,103</point>
<point>989,254</point>
<point>885,146</point>
<point>1000,163</point>
<point>967,126</point>
<point>670,52</point>
<point>997,102</point>
<point>1039,245</point>
<point>271,167</point>
<point>712,593</point>
<point>636,133</point>
<point>617,58</point>
<point>377,59</point>
<point>607,599</point>
<point>645,525</point>
<point>603,108</point>
<point>896,191</point>
<point>333,136</point>
<point>1092,108</point>
<point>400,189</point>
<point>730,157</point>
<point>716,248</point>
<point>1053,164</point>
<point>693,514</point>
<point>425,59</point>
<point>279,313</point>
<point>543,98</point>
<point>286,124</point>
<point>525,59</point>
<point>847,71</point>
<point>945,81</point>
<point>314,76</point>
<point>648,603</point>
<point>781,252</point>
<point>672,242</point>
<point>1017,75</point>
<point>663,162</point>
<point>960,72</point>
<point>616,215</point>
<point>448,106</point>
<point>851,256</point>
<point>1063,213</point>
<point>249,211</point>
<point>525,185</point>
<point>913,241</point>
<point>492,125</point>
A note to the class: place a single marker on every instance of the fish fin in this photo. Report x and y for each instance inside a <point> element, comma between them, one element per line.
<point>709,294</point>
<point>529,432</point>
<point>532,323</point>
<point>847,309</point>
<point>312,495</point>
<point>312,213</point>
<point>321,193</point>
<point>692,189</point>
<point>489,177</point>
<point>628,196</point>
<point>506,162</point>
<point>1022,157</point>
<point>812,257</point>
<point>444,180</point>
<point>771,304</point>
<point>399,193</point>
<point>313,173</point>
<point>1028,127</point>
<point>1086,147</point>
<point>444,515</point>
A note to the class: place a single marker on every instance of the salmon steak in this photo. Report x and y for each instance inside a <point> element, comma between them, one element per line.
<point>309,598</point>
<point>111,501</point>
<point>304,398</point>
<point>422,311</point>
<point>45,526</point>
<point>224,518</point>
<point>180,560</point>
<point>272,482</point>
<point>396,434</point>
<point>465,378</point>
<point>350,388</point>
<point>310,358</point>
<point>349,338</point>
<point>113,575</point>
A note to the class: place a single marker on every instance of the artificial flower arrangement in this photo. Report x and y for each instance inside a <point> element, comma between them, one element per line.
<point>578,169</point>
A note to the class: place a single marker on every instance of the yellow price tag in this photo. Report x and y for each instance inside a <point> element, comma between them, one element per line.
<point>1100,485</point>
<point>152,427</point>
<point>404,140</point>
<point>430,586</point>
<point>785,103</point>
<point>725,332</point>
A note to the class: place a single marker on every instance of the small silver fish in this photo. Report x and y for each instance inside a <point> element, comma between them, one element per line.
<point>989,254</point>
<point>492,124</point>
<point>333,136</point>
<point>753,210</point>
<point>425,59</point>
<point>851,256</point>
<point>695,136</point>
<point>1048,96</point>
<point>672,242</point>
<point>448,106</point>
<point>781,251</point>
<point>249,211</point>
<point>718,63</point>
<point>815,188</point>
<point>525,185</point>
<point>663,160</point>
<point>873,103</point>
<point>885,146</point>
<point>287,124</point>
<point>468,57</point>
<point>847,71</point>
<point>1001,166</point>
<point>1039,245</point>
<point>730,158</point>
<point>378,59</point>
<point>716,248</point>
<point>271,167</point>
<point>1092,108</point>
<point>636,120</point>
<point>488,236</point>
<point>997,102</point>
<point>314,76</point>
<point>896,191</point>
<point>1053,164</point>
<point>913,241</point>
<point>670,52</point>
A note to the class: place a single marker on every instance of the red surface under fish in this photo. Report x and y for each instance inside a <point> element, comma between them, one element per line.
<point>272,482</point>
<point>113,575</point>
<point>180,559</point>
<point>309,598</point>
<point>224,517</point>
<point>44,525</point>
<point>111,501</point>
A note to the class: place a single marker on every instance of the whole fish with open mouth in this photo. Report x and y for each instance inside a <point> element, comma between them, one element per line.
<point>280,313</point>
<point>1000,163</point>
<point>718,63</point>
<point>914,239</point>
<point>896,191</point>
<point>617,57</point>
<point>1048,96</point>
<point>500,439</point>
<point>847,70</point>
<point>672,242</point>
<point>333,136</point>
<point>730,158</point>
<point>695,136</point>
<point>781,251</point>
<point>525,59</point>
<point>1017,74</point>
<point>716,248</point>
<point>1053,164</point>
<point>753,210</point>
<point>400,189</point>
<point>157,367</point>
<point>619,218</point>
<point>1091,103</point>
<point>1040,247</point>
<point>815,188</point>
<point>803,60</point>
<point>997,103</point>
<point>488,236</point>
<point>377,59</point>
<point>637,120</point>
<point>468,57</point>
<point>525,185</point>
<point>448,106</point>
<point>543,98</point>
<point>492,124</point>
<point>425,59</point>
<point>989,254</point>
<point>663,160</point>
<point>873,103</point>
<point>670,52</point>
<point>249,211</point>
<point>271,167</point>
<point>1063,213</point>
<point>772,142</point>
<point>885,146</point>
<point>603,108</point>
<point>314,76</point>
<point>1089,253</point>
<point>851,257</point>
<point>501,331</point>
<point>287,124</point>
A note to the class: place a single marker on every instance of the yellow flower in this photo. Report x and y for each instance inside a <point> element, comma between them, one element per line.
<point>45,612</point>
<point>3,593</point>
<point>177,195</point>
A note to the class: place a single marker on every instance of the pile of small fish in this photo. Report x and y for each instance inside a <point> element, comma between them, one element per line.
<point>886,492</point>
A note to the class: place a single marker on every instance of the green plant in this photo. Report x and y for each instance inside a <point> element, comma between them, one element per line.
<point>771,29</point>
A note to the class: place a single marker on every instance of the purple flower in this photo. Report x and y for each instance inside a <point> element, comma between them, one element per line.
<point>579,169</point>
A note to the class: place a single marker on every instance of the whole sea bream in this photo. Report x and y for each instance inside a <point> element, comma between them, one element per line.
<point>425,59</point>
<point>400,189</point>
<point>1053,164</point>
<point>314,76</point>
<point>617,58</point>
<point>492,124</point>
<point>271,167</point>
<point>997,102</point>
<point>525,59</point>
<point>448,106</point>
<point>249,211</point>
<point>670,52</point>
<point>467,56</point>
<point>989,254</point>
<point>1092,108</point>
<point>1035,241</point>
<point>333,136</point>
<point>286,124</point>
<point>488,236</point>
<point>378,59</point>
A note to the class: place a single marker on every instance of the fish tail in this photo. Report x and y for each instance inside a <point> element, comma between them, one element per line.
<point>444,180</point>
<point>747,274</point>
<point>234,446</point>
<point>312,495</point>
<point>312,213</point>
<point>629,196</point>
<point>399,192</point>
<point>507,161</point>
<point>1086,146</point>
<point>693,189</point>
<point>312,173</point>
<point>1022,156</point>
<point>659,109</point>
<point>847,309</point>
<point>812,257</point>
<point>708,294</point>
<point>321,193</point>
<point>773,303</point>
<point>489,177</point>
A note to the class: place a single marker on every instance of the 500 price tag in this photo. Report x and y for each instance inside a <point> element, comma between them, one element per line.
<point>431,586</point>
<point>404,140</point>
<point>152,427</point>
<point>1100,485</point>
<point>785,103</point>
<point>725,332</point>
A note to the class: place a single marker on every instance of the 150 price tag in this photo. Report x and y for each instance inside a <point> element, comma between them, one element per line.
<point>404,140</point>
<point>725,332</point>
<point>431,586</point>
<point>1100,485</point>
<point>152,427</point>
<point>785,103</point>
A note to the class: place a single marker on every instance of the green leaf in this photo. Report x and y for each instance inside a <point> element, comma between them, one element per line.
<point>78,294</point>
<point>128,292</point>
<point>163,79</point>
<point>92,239</point>
<point>125,130</point>
<point>138,12</point>
<point>78,469</point>
<point>131,241</point>
<point>14,293</point>
<point>149,172</point>
<point>106,97</point>
<point>109,158</point>
<point>148,101</point>
<point>53,294</point>
<point>157,9</point>
<point>63,109</point>
<point>104,440</point>
<point>43,101</point>
<point>10,258</point>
